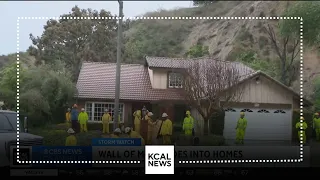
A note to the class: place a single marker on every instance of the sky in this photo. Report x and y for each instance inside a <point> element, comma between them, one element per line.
<point>10,11</point>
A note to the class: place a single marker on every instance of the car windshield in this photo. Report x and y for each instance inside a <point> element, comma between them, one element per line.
<point>8,122</point>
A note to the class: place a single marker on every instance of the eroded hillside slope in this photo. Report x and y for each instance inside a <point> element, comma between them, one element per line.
<point>226,39</point>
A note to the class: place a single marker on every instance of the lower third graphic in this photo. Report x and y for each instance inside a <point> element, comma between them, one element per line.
<point>159,160</point>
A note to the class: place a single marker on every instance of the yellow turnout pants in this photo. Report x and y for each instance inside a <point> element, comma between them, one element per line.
<point>137,128</point>
<point>240,136</point>
<point>166,139</point>
<point>83,127</point>
<point>105,128</point>
<point>302,135</point>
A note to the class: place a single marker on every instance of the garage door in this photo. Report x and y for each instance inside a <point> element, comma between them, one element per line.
<point>263,124</point>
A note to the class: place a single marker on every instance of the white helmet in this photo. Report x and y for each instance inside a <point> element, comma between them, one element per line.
<point>82,109</point>
<point>164,115</point>
<point>70,131</point>
<point>150,114</point>
<point>106,110</point>
<point>117,130</point>
<point>127,129</point>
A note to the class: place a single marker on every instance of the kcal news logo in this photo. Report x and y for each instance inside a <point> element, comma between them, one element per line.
<point>159,160</point>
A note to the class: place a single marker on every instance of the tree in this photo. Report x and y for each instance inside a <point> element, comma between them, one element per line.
<point>310,13</point>
<point>197,51</point>
<point>286,48</point>
<point>155,38</point>
<point>316,94</point>
<point>208,83</point>
<point>8,84</point>
<point>73,41</point>
<point>45,92</point>
<point>251,59</point>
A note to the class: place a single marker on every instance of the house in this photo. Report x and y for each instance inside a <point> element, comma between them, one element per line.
<point>268,104</point>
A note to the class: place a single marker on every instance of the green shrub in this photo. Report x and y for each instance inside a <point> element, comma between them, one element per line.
<point>57,137</point>
<point>296,118</point>
<point>52,137</point>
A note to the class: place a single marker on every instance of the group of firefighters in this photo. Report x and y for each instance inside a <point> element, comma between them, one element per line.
<point>157,129</point>
<point>300,126</point>
<point>161,129</point>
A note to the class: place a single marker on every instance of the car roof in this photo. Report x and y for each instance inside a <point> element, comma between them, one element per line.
<point>7,111</point>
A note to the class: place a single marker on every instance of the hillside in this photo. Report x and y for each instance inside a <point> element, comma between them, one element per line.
<point>232,40</point>
<point>226,39</point>
<point>25,59</point>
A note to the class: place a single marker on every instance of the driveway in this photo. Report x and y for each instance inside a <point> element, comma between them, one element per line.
<point>315,153</point>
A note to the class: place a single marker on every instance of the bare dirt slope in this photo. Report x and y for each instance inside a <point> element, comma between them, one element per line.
<point>228,38</point>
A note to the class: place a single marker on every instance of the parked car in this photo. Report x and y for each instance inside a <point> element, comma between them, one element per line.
<point>8,136</point>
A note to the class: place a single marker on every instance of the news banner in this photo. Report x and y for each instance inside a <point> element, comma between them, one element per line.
<point>126,156</point>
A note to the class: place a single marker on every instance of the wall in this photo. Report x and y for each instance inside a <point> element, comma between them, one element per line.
<point>265,92</point>
<point>198,121</point>
<point>160,79</point>
<point>150,72</point>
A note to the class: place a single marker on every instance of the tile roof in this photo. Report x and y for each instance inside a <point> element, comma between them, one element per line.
<point>179,63</point>
<point>97,81</point>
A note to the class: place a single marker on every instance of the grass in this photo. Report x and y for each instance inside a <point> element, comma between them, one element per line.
<point>55,135</point>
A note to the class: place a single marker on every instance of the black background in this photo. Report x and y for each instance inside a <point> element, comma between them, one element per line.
<point>213,172</point>
<point>23,152</point>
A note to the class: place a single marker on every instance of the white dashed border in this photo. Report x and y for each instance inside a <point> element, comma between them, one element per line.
<point>171,18</point>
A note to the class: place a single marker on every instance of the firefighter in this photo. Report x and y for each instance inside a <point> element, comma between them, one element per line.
<point>68,117</point>
<point>137,120</point>
<point>316,125</point>
<point>241,129</point>
<point>83,119</point>
<point>116,133</point>
<point>106,118</point>
<point>166,129</point>
<point>71,140</point>
<point>188,124</point>
<point>302,127</point>
<point>150,127</point>
<point>156,132</point>
<point>74,118</point>
<point>133,134</point>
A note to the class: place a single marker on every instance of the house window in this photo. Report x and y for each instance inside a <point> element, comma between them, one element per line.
<point>263,111</point>
<point>175,80</point>
<point>280,111</point>
<point>96,110</point>
<point>230,110</point>
<point>246,110</point>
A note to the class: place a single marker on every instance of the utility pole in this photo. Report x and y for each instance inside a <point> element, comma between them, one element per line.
<point>117,93</point>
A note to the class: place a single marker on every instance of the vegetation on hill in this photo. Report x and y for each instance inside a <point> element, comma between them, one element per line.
<point>51,65</point>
